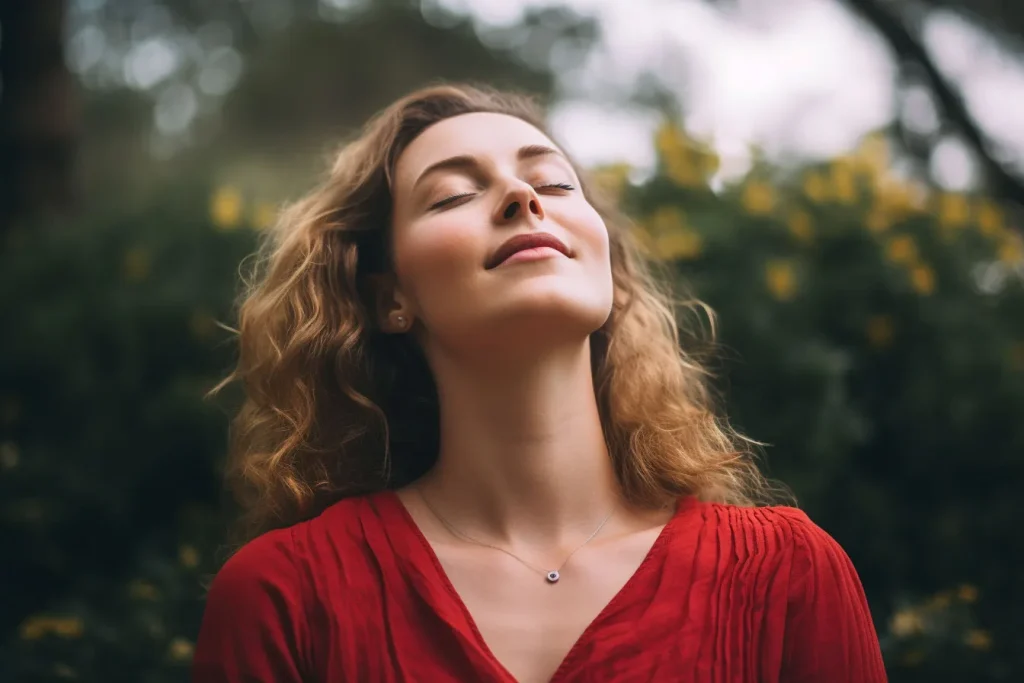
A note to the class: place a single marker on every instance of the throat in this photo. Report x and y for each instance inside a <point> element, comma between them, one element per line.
<point>552,576</point>
<point>522,457</point>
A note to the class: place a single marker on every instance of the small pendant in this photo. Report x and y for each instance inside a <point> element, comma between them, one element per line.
<point>553,576</point>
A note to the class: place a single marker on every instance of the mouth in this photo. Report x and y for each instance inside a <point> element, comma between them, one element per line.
<point>518,243</point>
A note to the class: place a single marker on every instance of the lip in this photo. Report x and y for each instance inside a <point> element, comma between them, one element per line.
<point>530,240</point>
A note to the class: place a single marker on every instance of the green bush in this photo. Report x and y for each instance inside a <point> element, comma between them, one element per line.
<point>872,336</point>
<point>108,453</point>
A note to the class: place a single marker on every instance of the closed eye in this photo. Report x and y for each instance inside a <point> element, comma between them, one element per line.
<point>561,186</point>
<point>448,200</point>
<point>456,197</point>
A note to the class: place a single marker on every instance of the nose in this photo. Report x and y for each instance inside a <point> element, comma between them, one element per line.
<point>521,200</point>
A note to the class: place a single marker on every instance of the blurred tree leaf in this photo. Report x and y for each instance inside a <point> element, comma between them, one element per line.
<point>872,329</point>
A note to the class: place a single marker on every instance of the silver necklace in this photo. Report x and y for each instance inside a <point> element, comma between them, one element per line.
<point>552,576</point>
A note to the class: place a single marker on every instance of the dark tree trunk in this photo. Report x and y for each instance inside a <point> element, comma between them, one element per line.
<point>908,49</point>
<point>38,111</point>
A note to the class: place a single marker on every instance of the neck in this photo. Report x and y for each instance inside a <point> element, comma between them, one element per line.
<point>522,454</point>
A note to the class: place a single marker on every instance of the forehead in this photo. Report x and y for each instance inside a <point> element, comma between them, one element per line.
<point>481,134</point>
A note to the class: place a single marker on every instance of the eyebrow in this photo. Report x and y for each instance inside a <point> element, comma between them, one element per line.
<point>467,162</point>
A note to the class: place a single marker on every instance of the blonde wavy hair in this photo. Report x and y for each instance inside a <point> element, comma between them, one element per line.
<point>335,408</point>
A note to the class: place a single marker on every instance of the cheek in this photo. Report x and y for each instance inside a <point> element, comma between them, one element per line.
<point>434,255</point>
<point>592,231</point>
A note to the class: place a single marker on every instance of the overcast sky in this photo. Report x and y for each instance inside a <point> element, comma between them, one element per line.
<point>795,77</point>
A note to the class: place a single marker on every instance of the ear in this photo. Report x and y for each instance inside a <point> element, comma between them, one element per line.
<point>392,310</point>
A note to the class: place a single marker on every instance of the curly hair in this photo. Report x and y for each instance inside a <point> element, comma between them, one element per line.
<point>334,408</point>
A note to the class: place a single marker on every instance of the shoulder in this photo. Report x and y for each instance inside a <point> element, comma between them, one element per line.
<point>811,549</point>
<point>281,559</point>
<point>778,535</point>
<point>801,580</point>
<point>775,528</point>
<point>254,624</point>
<point>263,566</point>
<point>811,560</point>
<point>260,605</point>
<point>813,596</point>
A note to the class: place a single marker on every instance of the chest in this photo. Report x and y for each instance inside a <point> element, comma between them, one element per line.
<point>608,619</point>
<point>529,625</point>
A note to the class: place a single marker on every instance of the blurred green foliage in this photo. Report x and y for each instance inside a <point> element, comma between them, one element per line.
<point>869,335</point>
<point>873,337</point>
<point>109,452</point>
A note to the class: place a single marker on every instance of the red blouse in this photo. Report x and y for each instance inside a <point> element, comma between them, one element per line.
<point>357,595</point>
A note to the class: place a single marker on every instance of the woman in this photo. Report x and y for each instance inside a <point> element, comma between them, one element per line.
<point>471,449</point>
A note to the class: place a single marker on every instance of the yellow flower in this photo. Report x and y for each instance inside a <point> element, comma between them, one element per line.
<point>920,197</point>
<point>940,601</point>
<point>800,226</point>
<point>670,139</point>
<point>680,169</point>
<point>990,218</point>
<point>880,331</point>
<point>708,161</point>
<point>180,649</point>
<point>263,215</point>
<point>1017,355</point>
<point>667,219</point>
<point>781,279</point>
<point>68,627</point>
<point>143,590</point>
<point>226,208</point>
<point>901,249</point>
<point>36,627</point>
<point>953,210</point>
<point>923,279</point>
<point>188,556</point>
<point>843,181</point>
<point>906,622</point>
<point>64,671</point>
<point>680,245</point>
<point>978,639</point>
<point>897,199</point>
<point>815,187</point>
<point>611,180</point>
<point>758,198</point>
<point>1011,251</point>
<point>9,455</point>
<point>136,264</point>
<point>967,593</point>
<point>877,221</point>
<point>688,163</point>
<point>873,156</point>
<point>645,241</point>
<point>670,238</point>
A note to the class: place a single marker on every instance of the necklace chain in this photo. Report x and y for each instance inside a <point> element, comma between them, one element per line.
<point>552,575</point>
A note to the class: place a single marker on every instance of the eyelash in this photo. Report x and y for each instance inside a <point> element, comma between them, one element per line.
<point>455,197</point>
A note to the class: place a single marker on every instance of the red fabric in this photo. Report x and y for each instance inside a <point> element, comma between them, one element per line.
<point>356,595</point>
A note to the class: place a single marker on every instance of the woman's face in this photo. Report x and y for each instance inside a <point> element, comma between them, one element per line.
<point>461,190</point>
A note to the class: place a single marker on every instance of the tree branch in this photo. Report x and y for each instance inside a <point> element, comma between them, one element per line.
<point>38,112</point>
<point>1003,184</point>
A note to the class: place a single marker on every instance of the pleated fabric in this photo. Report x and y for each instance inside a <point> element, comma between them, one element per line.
<point>726,594</point>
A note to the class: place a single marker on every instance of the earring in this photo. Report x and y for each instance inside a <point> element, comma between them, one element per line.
<point>400,320</point>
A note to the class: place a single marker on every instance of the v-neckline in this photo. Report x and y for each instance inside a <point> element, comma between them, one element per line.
<point>570,656</point>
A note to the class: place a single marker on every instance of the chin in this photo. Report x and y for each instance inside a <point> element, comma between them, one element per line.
<point>532,313</point>
<point>550,313</point>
